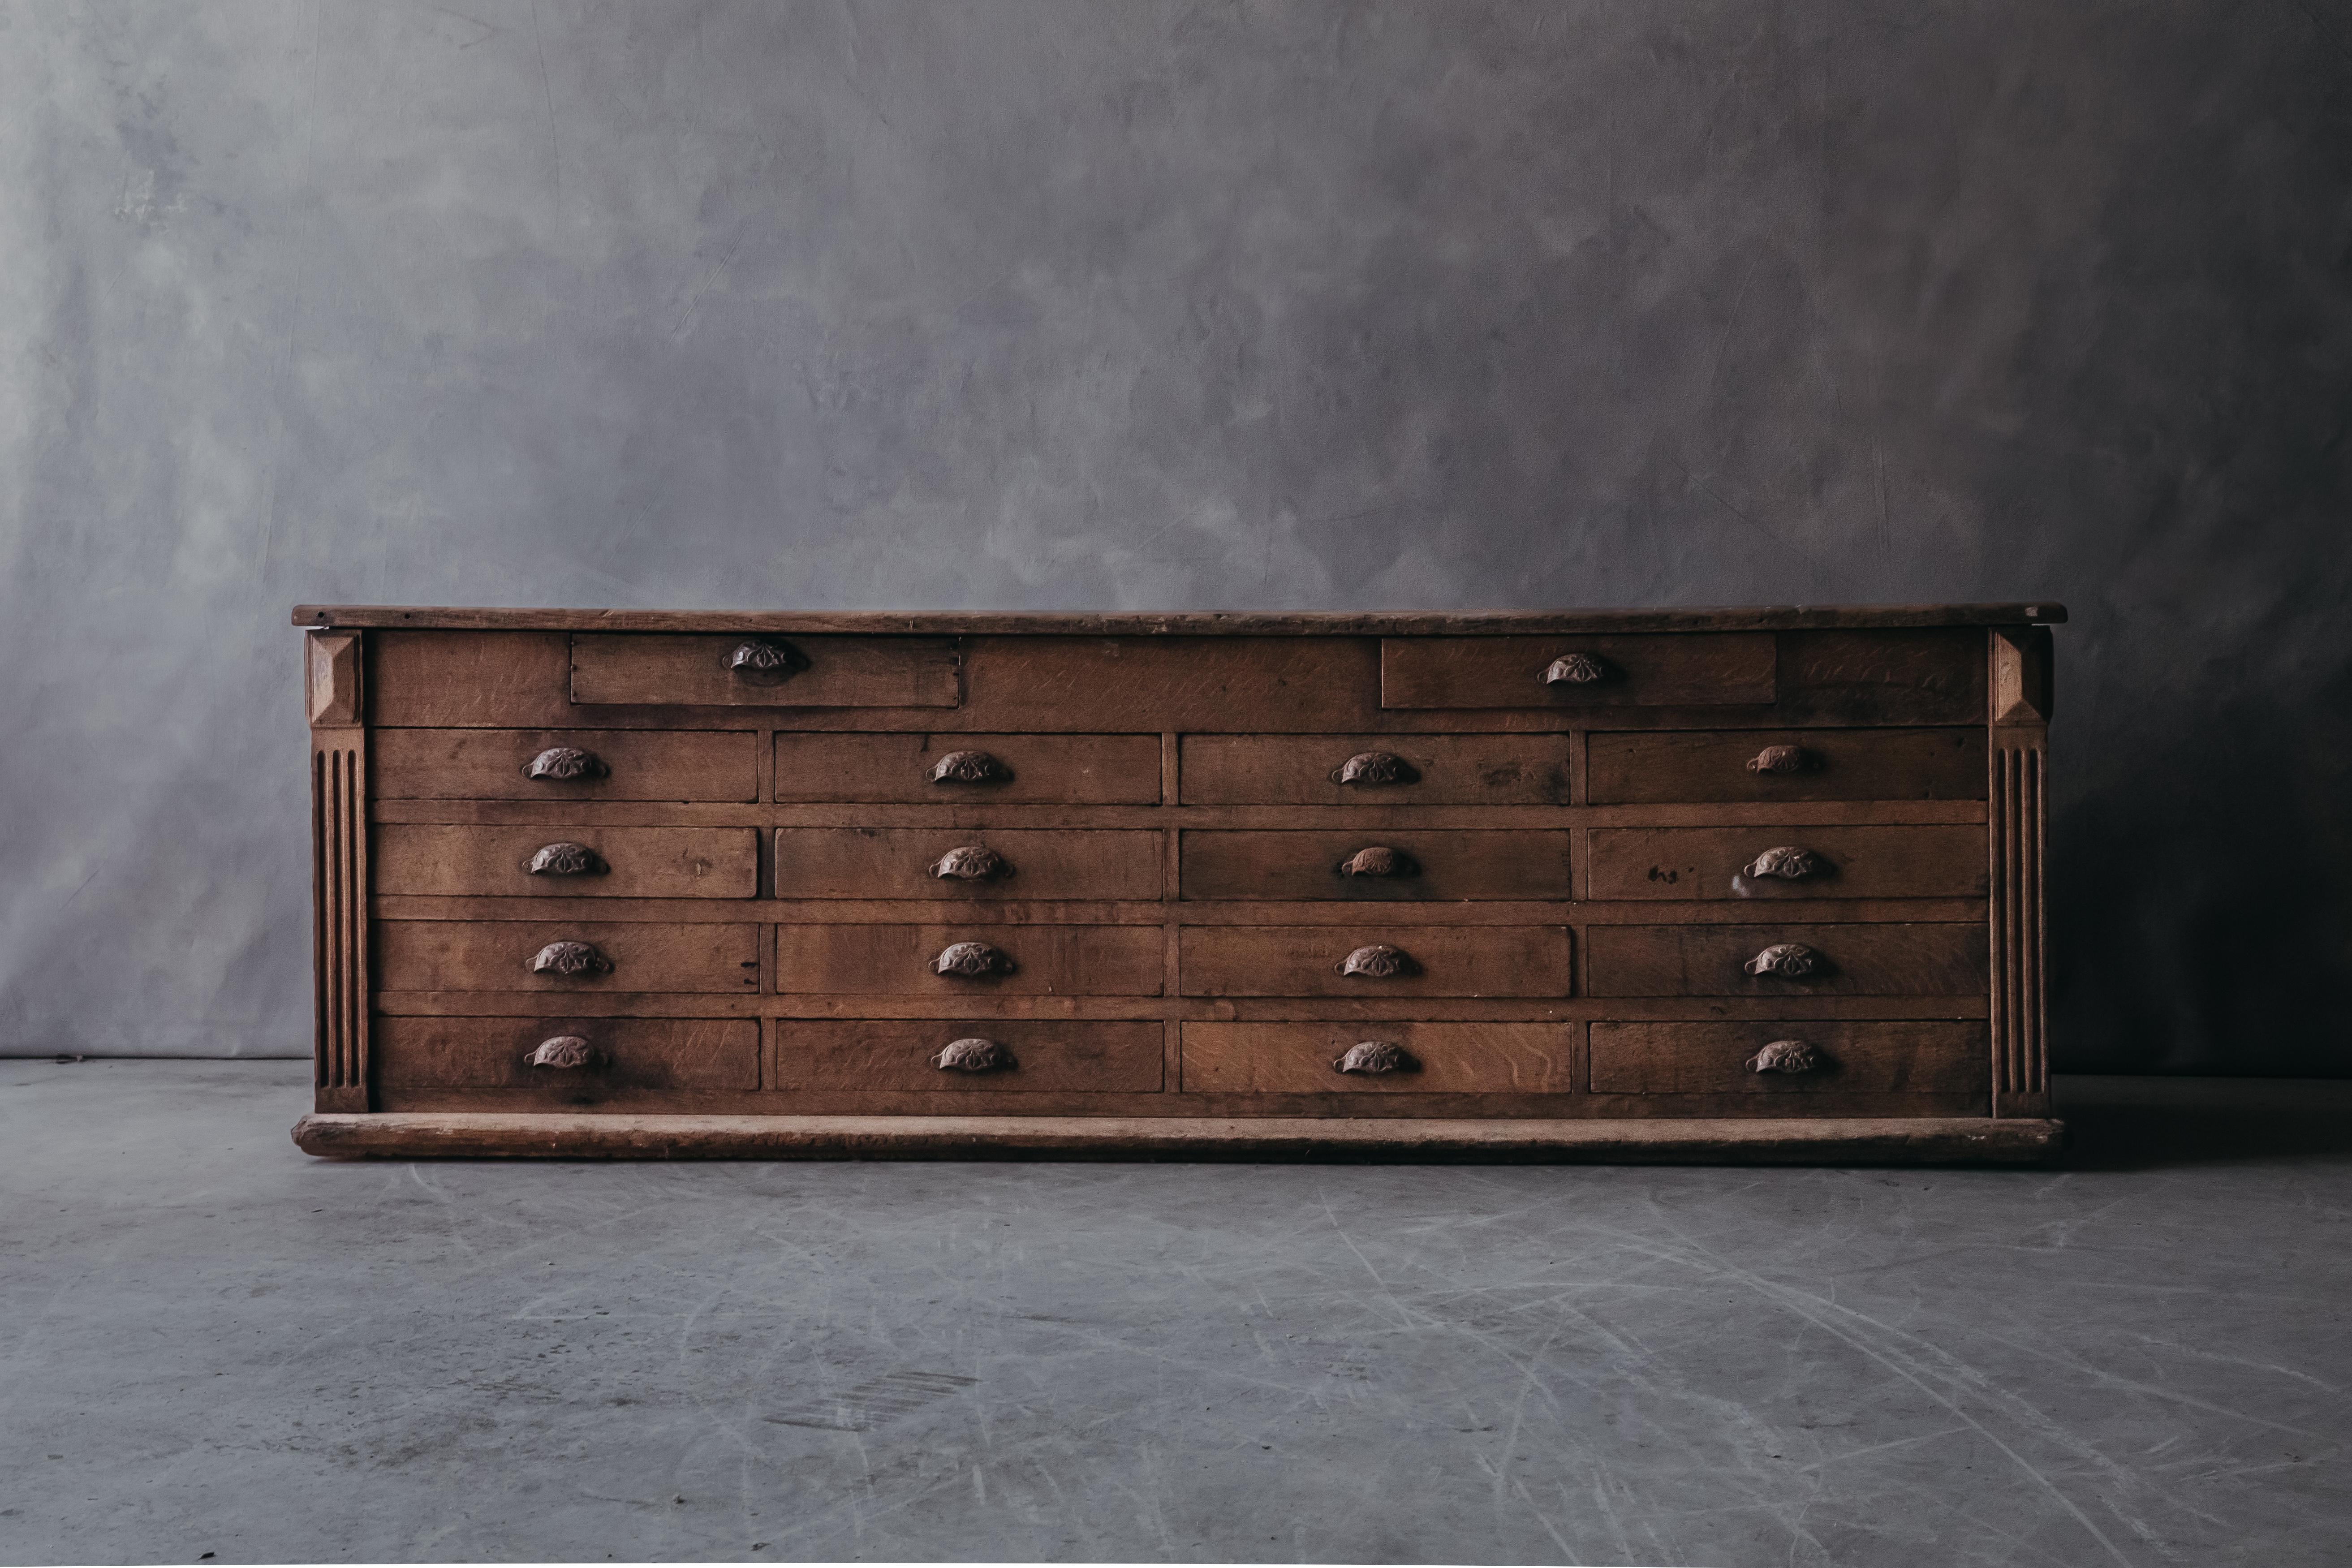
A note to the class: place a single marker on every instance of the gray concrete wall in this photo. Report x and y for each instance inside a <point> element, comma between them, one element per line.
<point>1084,306</point>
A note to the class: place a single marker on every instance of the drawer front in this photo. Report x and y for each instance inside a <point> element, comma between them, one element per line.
<point>1742,765</point>
<point>563,765</point>
<point>1694,669</point>
<point>1923,960</point>
<point>957,770</point>
<point>1374,770</point>
<point>757,670</point>
<point>899,863</point>
<point>587,955</point>
<point>897,1055</point>
<point>1840,862</point>
<point>620,863</point>
<point>1443,1058</point>
<point>1472,863</point>
<point>621,1053</point>
<point>1017,960</point>
<point>1937,1058</point>
<point>1374,961</point>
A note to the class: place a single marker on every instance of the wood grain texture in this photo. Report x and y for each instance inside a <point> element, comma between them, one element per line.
<point>1696,669</point>
<point>1867,677</point>
<point>898,1055</point>
<point>1123,685</point>
<point>495,955</point>
<point>1019,622</point>
<point>636,1055</point>
<point>1454,1058</point>
<point>1077,769</point>
<point>1837,765</point>
<point>341,877</point>
<point>692,669</point>
<point>644,862</point>
<point>1471,863</point>
<point>1445,961</point>
<point>897,960</point>
<point>1452,770</point>
<point>1924,1057</point>
<point>636,764</point>
<point>1863,862</point>
<point>1856,960</point>
<point>333,677</point>
<point>457,678</point>
<point>894,863</point>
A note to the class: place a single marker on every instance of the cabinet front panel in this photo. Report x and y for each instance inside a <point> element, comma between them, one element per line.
<point>1438,1058</point>
<point>1018,959</point>
<point>1375,770</point>
<point>571,764</point>
<point>1839,861</point>
<point>759,671</point>
<point>1936,1057</point>
<point>617,862</point>
<point>998,864</point>
<point>1691,670</point>
<point>1742,765</point>
<point>513,955</point>
<point>1031,1057</point>
<point>965,770</point>
<point>620,1054</point>
<point>1757,960</point>
<point>1346,863</point>
<point>1374,961</point>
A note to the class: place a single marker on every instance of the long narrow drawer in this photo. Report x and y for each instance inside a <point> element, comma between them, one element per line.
<point>1358,863</point>
<point>1641,670</point>
<point>1936,1057</point>
<point>762,671</point>
<point>997,1056</point>
<point>1819,862</point>
<point>565,955</point>
<point>1374,961</point>
<point>968,959</point>
<point>613,1054</point>
<point>1374,770</point>
<point>571,861</point>
<point>1924,960</point>
<point>966,863</point>
<point>564,764</point>
<point>954,769</point>
<point>1740,765</point>
<point>1421,1058</point>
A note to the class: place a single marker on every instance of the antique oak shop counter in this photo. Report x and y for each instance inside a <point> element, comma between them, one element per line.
<point>1670,884</point>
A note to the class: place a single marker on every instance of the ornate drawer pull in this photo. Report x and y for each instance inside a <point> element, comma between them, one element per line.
<point>1789,960</point>
<point>969,768</point>
<point>563,763</point>
<point>1374,769</point>
<point>766,659</point>
<point>569,958</point>
<point>564,1051</point>
<point>1377,860</point>
<point>1787,1056</point>
<point>1782,760</point>
<point>1379,962</point>
<point>1788,862</point>
<point>971,863</point>
<point>566,860</point>
<point>973,959</point>
<point>1576,669</point>
<point>974,1055</point>
<point>1376,1056</point>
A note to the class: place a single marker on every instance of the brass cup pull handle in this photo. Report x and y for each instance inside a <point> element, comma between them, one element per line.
<point>1379,962</point>
<point>1374,770</point>
<point>1377,860</point>
<point>1576,669</point>
<point>564,1051</point>
<point>969,768</point>
<point>563,764</point>
<point>971,863</point>
<point>764,661</point>
<point>567,860</point>
<point>974,1055</point>
<point>1376,1057</point>
<point>569,958</point>
<point>1789,1056</point>
<point>1787,959</point>
<point>1782,760</point>
<point>1788,862</point>
<point>972,960</point>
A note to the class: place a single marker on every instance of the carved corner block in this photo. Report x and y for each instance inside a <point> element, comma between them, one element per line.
<point>2021,674</point>
<point>331,676</point>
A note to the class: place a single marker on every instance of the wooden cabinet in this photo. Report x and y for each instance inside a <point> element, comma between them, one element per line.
<point>1702,884</point>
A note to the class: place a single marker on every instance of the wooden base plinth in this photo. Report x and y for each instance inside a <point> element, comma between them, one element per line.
<point>1820,1141</point>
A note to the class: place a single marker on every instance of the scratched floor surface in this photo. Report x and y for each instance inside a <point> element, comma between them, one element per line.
<point>211,1343</point>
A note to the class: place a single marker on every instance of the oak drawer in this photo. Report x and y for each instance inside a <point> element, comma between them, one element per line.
<point>1787,764</point>
<point>1015,960</point>
<point>1921,960</point>
<point>902,863</point>
<point>565,955</point>
<point>902,1055</point>
<point>955,770</point>
<point>1641,670</point>
<point>620,1054</point>
<point>1374,961</point>
<point>762,671</point>
<point>564,764</point>
<point>1422,864</point>
<point>618,862</point>
<point>1838,862</point>
<point>1931,1057</point>
<point>1441,1058</point>
<point>1374,770</point>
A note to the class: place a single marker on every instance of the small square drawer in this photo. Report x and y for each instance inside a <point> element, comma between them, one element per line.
<point>1938,1057</point>
<point>555,861</point>
<point>978,1056</point>
<point>1379,1058</point>
<point>958,770</point>
<point>1783,862</point>
<point>1742,765</point>
<point>1374,770</point>
<point>563,765</point>
<point>588,1058</point>
<point>565,957</point>
<point>966,863</point>
<point>1374,961</point>
<point>1375,864</point>
<point>1639,671</point>
<point>1921,960</point>
<point>969,959</point>
<point>762,670</point>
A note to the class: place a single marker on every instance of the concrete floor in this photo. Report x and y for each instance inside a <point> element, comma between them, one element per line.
<point>215,1344</point>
